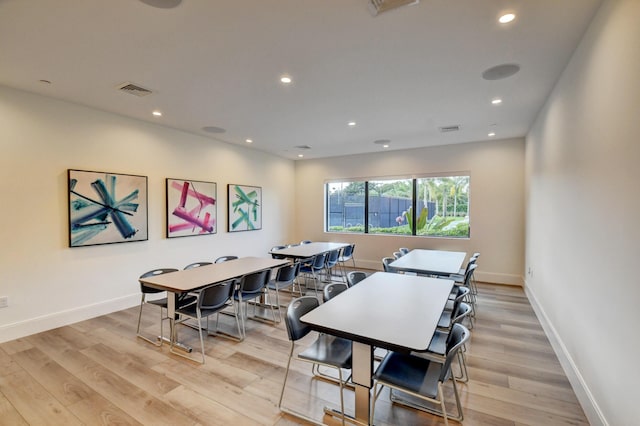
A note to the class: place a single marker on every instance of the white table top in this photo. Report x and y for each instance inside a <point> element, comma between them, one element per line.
<point>436,262</point>
<point>393,311</point>
<point>192,279</point>
<point>309,250</point>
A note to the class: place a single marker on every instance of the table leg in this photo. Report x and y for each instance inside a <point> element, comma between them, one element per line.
<point>361,376</point>
<point>362,370</point>
<point>171,313</point>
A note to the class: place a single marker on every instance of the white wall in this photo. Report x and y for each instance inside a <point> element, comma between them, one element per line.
<point>582,159</point>
<point>50,284</point>
<point>496,212</point>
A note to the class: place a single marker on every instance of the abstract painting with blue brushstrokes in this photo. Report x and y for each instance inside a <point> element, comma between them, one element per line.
<point>106,208</point>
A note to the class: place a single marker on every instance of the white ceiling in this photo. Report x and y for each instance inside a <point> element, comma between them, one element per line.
<point>400,75</point>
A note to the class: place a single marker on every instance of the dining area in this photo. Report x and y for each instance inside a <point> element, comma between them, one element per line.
<point>120,378</point>
<point>368,329</point>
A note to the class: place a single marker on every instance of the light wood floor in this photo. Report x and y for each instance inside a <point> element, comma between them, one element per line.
<point>97,372</point>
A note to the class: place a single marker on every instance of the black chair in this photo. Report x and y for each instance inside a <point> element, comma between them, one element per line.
<point>385,264</point>
<point>354,277</point>
<point>345,256</point>
<point>332,290</point>
<point>449,312</point>
<point>251,287</point>
<point>306,242</point>
<point>196,265</point>
<point>225,259</point>
<point>161,303</point>
<point>277,256</point>
<point>331,262</point>
<point>211,300</point>
<point>438,345</point>
<point>285,277</point>
<point>403,250</point>
<point>326,350</point>
<point>397,254</point>
<point>313,269</point>
<point>421,378</point>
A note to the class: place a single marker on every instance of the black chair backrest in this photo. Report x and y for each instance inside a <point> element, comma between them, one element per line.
<point>397,254</point>
<point>354,277</point>
<point>225,258</point>
<point>385,264</point>
<point>296,309</point>
<point>254,282</point>
<point>462,292</point>
<point>277,256</point>
<point>153,273</point>
<point>462,311</point>
<point>196,265</point>
<point>457,337</point>
<point>215,296</point>
<point>332,290</point>
<point>469,274</point>
<point>319,261</point>
<point>305,242</point>
<point>347,251</point>
<point>403,250</point>
<point>288,272</point>
<point>332,258</point>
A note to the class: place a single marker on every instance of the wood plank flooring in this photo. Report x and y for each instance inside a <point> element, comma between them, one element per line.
<point>97,372</point>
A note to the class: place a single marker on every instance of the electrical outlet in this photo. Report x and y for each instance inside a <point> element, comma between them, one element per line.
<point>4,301</point>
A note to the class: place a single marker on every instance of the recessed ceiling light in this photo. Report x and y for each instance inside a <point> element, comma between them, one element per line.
<point>386,145</point>
<point>496,101</point>
<point>506,18</point>
<point>351,123</point>
<point>300,155</point>
<point>285,79</point>
<point>248,140</point>
<point>492,134</point>
<point>162,4</point>
<point>157,113</point>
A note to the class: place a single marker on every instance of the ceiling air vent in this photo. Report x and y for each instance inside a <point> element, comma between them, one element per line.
<point>303,147</point>
<point>134,89</point>
<point>446,129</point>
<point>379,6</point>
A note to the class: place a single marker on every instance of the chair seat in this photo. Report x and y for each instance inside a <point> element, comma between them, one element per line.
<point>409,372</point>
<point>159,302</point>
<point>246,295</point>
<point>445,319</point>
<point>329,350</point>
<point>438,343</point>
<point>278,285</point>
<point>192,311</point>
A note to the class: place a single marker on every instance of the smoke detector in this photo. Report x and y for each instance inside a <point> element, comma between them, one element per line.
<point>379,6</point>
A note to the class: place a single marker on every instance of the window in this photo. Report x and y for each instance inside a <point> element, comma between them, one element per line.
<point>389,201</point>
<point>446,203</point>
<point>427,206</point>
<point>345,207</point>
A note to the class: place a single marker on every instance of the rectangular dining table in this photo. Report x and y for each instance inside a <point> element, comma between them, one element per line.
<point>392,311</point>
<point>305,251</point>
<point>430,262</point>
<point>196,278</point>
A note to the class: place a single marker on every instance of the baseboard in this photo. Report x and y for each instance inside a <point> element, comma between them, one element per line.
<point>58,319</point>
<point>584,395</point>
<point>483,276</point>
